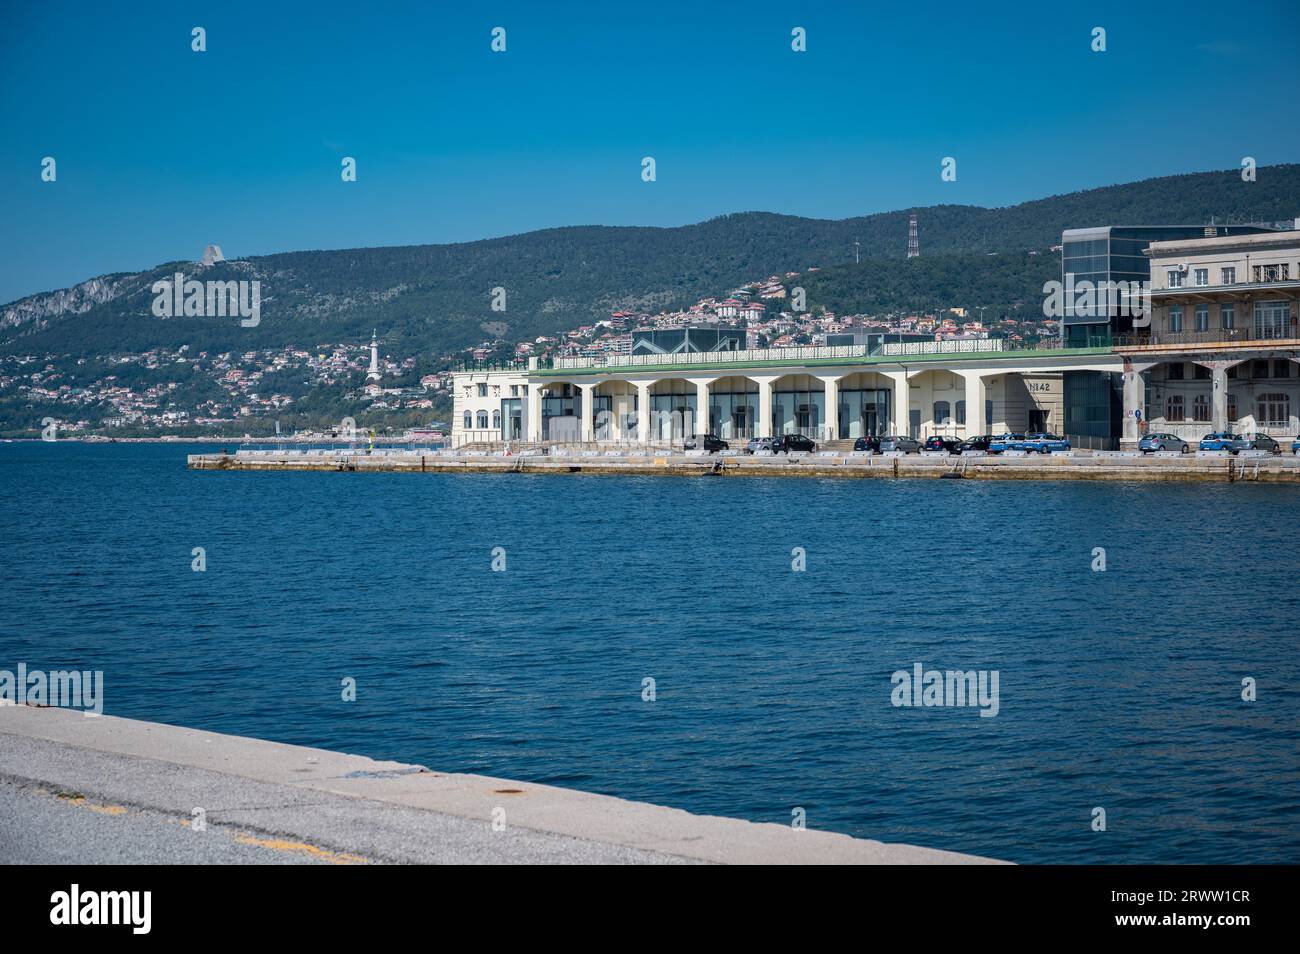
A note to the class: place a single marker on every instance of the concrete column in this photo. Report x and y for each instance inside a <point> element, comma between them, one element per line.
<point>1218,393</point>
<point>975,398</point>
<point>533,429</point>
<point>1219,398</point>
<point>701,406</point>
<point>902,402</point>
<point>587,429</point>
<point>763,426</point>
<point>1135,400</point>
<point>832,423</point>
<point>643,411</point>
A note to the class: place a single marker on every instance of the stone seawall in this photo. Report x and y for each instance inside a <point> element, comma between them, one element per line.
<point>1077,466</point>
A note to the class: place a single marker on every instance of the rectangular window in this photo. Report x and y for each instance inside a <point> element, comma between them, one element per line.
<point>1202,372</point>
<point>1202,317</point>
<point>1228,316</point>
<point>1176,278</point>
<point>482,390</point>
<point>1175,318</point>
<point>1202,276</point>
<point>1272,273</point>
<point>1175,371</point>
<point>1282,368</point>
<point>1272,318</point>
<point>1228,276</point>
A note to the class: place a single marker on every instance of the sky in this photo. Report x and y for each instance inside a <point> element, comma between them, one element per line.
<point>160,150</point>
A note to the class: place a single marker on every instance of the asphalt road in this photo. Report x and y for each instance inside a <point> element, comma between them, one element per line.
<point>64,804</point>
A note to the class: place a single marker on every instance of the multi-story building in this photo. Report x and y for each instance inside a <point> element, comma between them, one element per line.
<point>1222,351</point>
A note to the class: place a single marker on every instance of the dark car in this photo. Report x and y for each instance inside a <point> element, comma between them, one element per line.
<point>792,442</point>
<point>938,443</point>
<point>711,444</point>
<point>871,443</point>
<point>980,443</point>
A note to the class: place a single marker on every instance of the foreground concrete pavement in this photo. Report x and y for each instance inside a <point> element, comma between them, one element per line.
<point>98,790</point>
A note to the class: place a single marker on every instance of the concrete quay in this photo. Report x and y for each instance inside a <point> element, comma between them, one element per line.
<point>1073,465</point>
<point>89,790</point>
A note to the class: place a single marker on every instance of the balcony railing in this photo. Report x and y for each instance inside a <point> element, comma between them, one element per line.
<point>1212,336</point>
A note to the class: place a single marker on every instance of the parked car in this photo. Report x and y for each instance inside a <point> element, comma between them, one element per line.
<point>939,443</point>
<point>908,445</point>
<point>1222,440</point>
<point>980,443</point>
<point>1151,443</point>
<point>1003,442</point>
<point>871,443</point>
<point>792,442</point>
<point>1262,442</point>
<point>1295,446</point>
<point>1042,443</point>
<point>758,444</point>
<point>711,444</point>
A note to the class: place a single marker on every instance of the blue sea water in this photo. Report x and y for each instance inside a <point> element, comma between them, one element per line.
<point>1118,689</point>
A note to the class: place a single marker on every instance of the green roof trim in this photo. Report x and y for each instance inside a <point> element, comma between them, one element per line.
<point>862,361</point>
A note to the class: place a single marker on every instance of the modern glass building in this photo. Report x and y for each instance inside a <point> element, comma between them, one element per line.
<point>1093,404</point>
<point>1116,253</point>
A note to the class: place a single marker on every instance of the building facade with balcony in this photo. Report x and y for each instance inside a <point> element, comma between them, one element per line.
<point>1222,350</point>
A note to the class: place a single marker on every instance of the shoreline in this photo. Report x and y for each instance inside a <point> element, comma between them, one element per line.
<point>1111,466</point>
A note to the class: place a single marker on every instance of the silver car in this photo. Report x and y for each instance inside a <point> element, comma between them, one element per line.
<point>1163,442</point>
<point>895,442</point>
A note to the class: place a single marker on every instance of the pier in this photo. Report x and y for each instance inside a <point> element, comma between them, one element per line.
<point>1071,465</point>
<point>82,790</point>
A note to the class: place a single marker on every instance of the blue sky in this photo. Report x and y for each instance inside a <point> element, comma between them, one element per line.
<point>161,150</point>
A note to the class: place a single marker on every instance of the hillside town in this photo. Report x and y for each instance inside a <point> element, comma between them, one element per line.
<point>765,310</point>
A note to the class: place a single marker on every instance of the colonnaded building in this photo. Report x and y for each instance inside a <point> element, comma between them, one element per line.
<point>1218,349</point>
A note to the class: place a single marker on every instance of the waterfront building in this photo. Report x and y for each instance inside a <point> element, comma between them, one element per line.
<point>958,388</point>
<point>1222,351</point>
<point>1219,350</point>
<point>1117,253</point>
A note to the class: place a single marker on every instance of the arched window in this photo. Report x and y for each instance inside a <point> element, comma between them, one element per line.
<point>942,413</point>
<point>482,420</point>
<point>1174,408</point>
<point>1274,410</point>
<point>469,421</point>
<point>496,420</point>
<point>1201,408</point>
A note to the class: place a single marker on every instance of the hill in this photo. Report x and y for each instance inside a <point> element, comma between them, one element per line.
<point>430,299</point>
